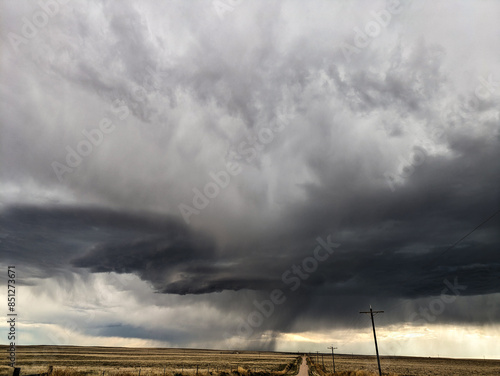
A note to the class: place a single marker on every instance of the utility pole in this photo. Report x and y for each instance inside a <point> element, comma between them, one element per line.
<point>372,313</point>
<point>317,357</point>
<point>333,357</point>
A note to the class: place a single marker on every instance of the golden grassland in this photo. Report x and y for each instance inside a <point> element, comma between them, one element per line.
<point>109,361</point>
<point>358,365</point>
<point>76,360</point>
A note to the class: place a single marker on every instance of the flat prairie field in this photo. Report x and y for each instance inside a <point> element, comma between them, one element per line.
<point>405,366</point>
<point>114,361</point>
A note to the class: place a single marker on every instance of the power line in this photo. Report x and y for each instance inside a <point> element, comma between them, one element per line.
<point>372,313</point>
<point>463,237</point>
<point>333,357</point>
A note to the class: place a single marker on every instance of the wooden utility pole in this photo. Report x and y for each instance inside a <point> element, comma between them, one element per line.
<point>333,357</point>
<point>372,313</point>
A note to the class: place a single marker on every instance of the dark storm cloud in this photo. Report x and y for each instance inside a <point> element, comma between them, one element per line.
<point>102,240</point>
<point>393,264</point>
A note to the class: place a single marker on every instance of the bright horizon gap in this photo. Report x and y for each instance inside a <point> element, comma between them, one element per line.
<point>312,353</point>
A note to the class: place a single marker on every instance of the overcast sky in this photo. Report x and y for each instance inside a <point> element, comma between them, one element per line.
<point>252,174</point>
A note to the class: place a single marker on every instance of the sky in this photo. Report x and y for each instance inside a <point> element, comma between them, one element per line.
<point>242,174</point>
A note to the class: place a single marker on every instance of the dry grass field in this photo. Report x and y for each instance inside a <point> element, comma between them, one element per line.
<point>148,361</point>
<point>405,366</point>
<point>93,361</point>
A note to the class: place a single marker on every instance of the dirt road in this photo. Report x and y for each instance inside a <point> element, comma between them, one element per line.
<point>304,368</point>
